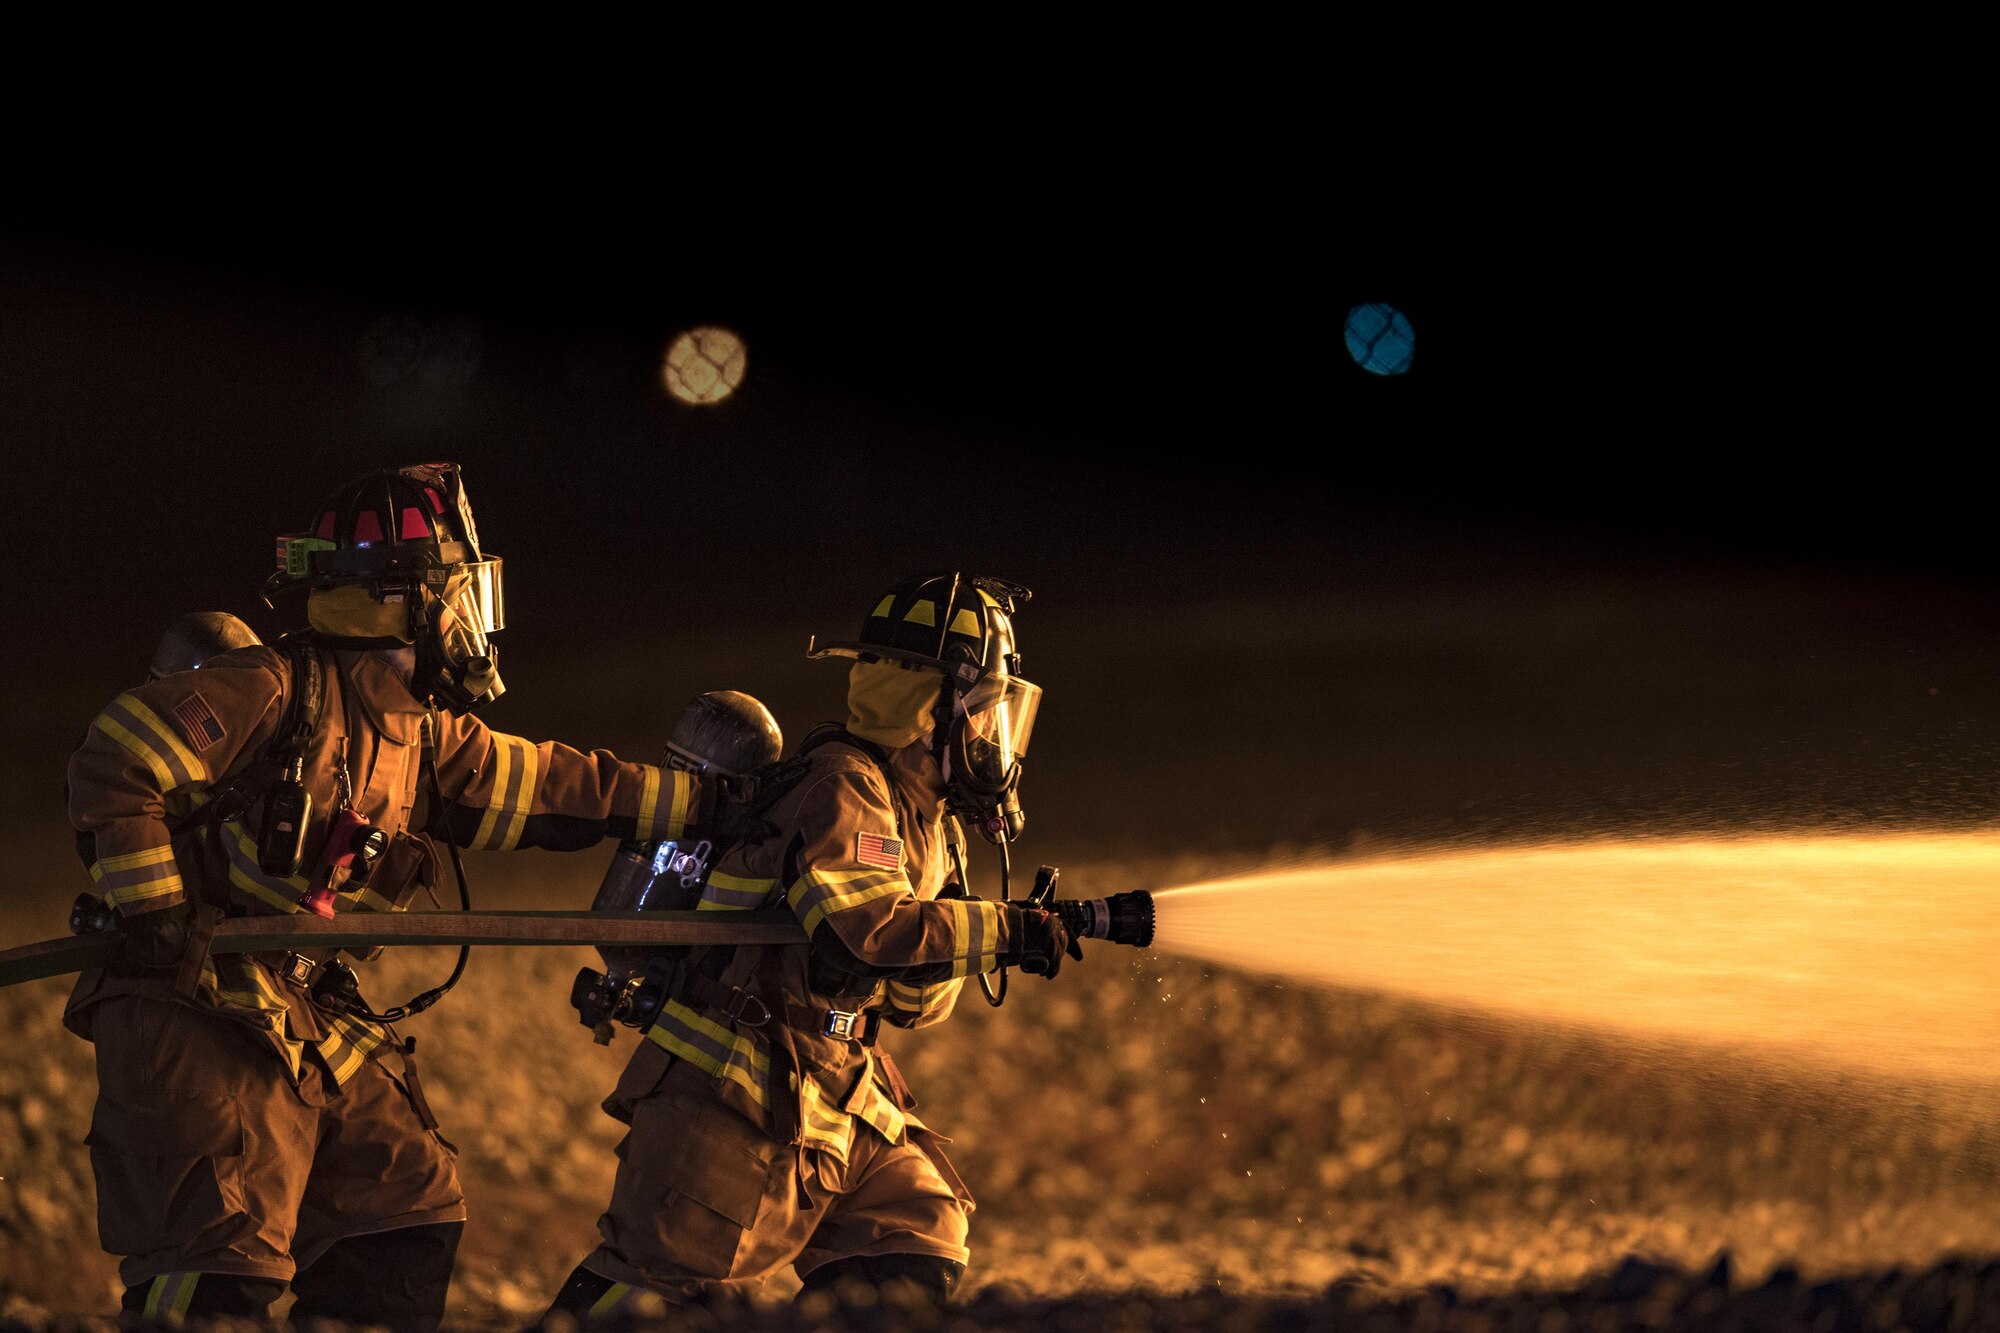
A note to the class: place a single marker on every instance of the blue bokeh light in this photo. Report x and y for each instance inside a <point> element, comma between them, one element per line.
<point>1380,339</point>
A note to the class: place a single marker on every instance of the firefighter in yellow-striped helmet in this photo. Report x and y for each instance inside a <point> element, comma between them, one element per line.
<point>962,626</point>
<point>765,1086</point>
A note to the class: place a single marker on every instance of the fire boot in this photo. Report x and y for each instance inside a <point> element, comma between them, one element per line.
<point>391,1279</point>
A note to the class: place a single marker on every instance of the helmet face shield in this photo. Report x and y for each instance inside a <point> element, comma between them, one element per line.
<point>467,609</point>
<point>999,718</point>
<point>474,593</point>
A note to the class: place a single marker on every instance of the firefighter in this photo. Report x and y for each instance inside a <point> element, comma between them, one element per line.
<point>256,1125</point>
<point>767,1126</point>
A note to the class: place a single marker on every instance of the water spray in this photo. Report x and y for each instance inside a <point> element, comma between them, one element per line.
<point>1869,949</point>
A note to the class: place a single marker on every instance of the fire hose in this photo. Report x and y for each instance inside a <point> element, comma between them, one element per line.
<point>1126,918</point>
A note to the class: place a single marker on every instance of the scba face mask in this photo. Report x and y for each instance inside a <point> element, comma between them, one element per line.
<point>458,663</point>
<point>982,762</point>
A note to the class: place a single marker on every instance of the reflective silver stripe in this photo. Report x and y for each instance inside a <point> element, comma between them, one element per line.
<point>974,943</point>
<point>516,776</point>
<point>245,874</point>
<point>736,894</point>
<point>136,876</point>
<point>713,1048</point>
<point>152,742</point>
<point>820,893</point>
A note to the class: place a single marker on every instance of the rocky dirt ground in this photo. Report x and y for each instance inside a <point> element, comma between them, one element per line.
<point>1160,1143</point>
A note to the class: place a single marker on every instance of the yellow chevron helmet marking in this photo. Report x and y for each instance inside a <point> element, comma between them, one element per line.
<point>921,613</point>
<point>887,605</point>
<point>965,623</point>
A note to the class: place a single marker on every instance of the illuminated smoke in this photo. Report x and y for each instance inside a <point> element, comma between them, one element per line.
<point>1878,950</point>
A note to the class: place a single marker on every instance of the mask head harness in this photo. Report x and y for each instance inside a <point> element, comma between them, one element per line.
<point>962,627</point>
<point>392,559</point>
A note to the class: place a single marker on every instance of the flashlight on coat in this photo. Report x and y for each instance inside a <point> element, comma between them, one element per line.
<point>352,844</point>
<point>1123,918</point>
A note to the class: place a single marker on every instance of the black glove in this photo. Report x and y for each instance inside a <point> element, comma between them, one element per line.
<point>154,941</point>
<point>1039,941</point>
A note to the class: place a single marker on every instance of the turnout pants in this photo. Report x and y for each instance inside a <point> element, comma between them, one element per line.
<point>706,1204</point>
<point>209,1160</point>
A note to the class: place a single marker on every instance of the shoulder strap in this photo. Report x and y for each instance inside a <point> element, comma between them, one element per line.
<point>307,680</point>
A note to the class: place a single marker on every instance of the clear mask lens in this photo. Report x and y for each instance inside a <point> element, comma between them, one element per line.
<point>999,717</point>
<point>473,609</point>
<point>481,594</point>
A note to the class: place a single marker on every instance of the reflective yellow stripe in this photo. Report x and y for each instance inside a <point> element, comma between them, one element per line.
<point>677,807</point>
<point>887,605</point>
<point>503,768</point>
<point>196,769</point>
<point>814,897</point>
<point>921,613</point>
<point>144,752</point>
<point>734,893</point>
<point>965,623</point>
<point>610,1299</point>
<point>151,856</point>
<point>347,1046</point>
<point>166,884</point>
<point>531,776</point>
<point>170,1295</point>
<point>506,816</point>
<point>246,874</point>
<point>184,1297</point>
<point>649,801</point>
<point>712,1048</point>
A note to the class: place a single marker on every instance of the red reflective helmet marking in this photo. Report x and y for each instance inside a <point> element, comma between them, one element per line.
<point>367,526</point>
<point>414,526</point>
<point>325,529</point>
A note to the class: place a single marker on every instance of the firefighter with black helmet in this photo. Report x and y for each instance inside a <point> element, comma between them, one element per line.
<point>768,1128</point>
<point>257,1124</point>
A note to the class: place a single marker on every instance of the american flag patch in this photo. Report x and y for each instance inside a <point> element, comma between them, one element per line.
<point>872,849</point>
<point>198,722</point>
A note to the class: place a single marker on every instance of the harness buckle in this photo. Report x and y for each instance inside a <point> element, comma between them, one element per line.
<point>851,1024</point>
<point>297,969</point>
<point>739,1006</point>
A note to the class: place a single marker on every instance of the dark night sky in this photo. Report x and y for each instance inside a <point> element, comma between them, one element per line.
<point>1149,389</point>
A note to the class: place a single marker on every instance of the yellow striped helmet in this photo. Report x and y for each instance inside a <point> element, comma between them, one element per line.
<point>961,624</point>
